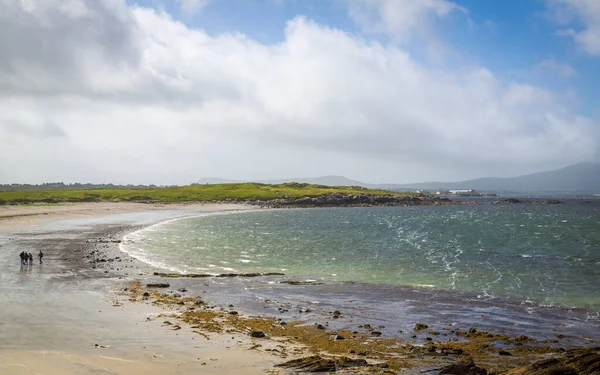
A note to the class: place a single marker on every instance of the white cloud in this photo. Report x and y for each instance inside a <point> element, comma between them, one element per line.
<point>585,15</point>
<point>109,92</point>
<point>555,68</point>
<point>192,7</point>
<point>402,19</point>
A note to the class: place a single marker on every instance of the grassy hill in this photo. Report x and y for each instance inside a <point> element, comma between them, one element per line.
<point>195,193</point>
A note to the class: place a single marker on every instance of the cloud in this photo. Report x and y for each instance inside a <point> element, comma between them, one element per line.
<point>192,7</point>
<point>402,19</point>
<point>555,68</point>
<point>141,97</point>
<point>584,15</point>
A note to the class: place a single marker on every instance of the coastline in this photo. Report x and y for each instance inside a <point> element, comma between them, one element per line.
<point>65,317</point>
<point>89,277</point>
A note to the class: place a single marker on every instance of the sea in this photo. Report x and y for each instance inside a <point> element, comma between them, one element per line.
<point>517,268</point>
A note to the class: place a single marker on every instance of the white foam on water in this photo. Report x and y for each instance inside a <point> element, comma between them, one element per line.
<point>131,243</point>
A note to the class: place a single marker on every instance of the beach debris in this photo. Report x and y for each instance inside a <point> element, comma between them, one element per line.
<point>319,364</point>
<point>257,334</point>
<point>158,285</point>
<point>420,326</point>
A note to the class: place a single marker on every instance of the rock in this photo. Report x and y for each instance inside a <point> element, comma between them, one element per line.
<point>257,334</point>
<point>575,362</point>
<point>508,201</point>
<point>181,303</point>
<point>420,326</point>
<point>158,285</point>
<point>182,290</point>
<point>233,313</point>
<point>176,295</point>
<point>199,302</point>
<point>504,352</point>
<point>337,337</point>
<point>319,326</point>
<point>146,294</point>
<point>465,366</point>
<point>376,333</point>
<point>319,364</point>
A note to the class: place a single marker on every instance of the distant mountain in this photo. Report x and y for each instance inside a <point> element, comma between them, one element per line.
<point>214,180</point>
<point>325,180</point>
<point>576,177</point>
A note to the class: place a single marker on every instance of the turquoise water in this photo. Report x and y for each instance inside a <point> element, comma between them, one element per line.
<point>547,254</point>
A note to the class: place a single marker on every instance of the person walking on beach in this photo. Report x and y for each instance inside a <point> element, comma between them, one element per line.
<point>41,255</point>
<point>22,255</point>
<point>30,257</point>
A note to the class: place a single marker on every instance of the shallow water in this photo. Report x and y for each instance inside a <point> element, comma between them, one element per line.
<point>545,254</point>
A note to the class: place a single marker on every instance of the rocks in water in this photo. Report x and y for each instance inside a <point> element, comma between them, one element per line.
<point>337,314</point>
<point>575,362</point>
<point>257,334</point>
<point>531,201</point>
<point>420,326</point>
<point>200,275</point>
<point>319,364</point>
<point>465,366</point>
<point>295,282</point>
<point>158,285</point>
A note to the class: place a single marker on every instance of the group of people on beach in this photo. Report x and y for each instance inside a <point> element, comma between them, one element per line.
<point>27,258</point>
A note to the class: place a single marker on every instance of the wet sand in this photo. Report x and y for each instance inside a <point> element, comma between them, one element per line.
<point>63,316</point>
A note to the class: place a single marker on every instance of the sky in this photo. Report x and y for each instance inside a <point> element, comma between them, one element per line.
<point>381,91</point>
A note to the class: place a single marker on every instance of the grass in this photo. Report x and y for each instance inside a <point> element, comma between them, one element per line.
<point>193,193</point>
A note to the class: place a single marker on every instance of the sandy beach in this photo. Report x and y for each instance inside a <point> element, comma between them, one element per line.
<point>63,317</point>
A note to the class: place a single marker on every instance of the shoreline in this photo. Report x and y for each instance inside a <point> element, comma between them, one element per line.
<point>108,275</point>
<point>64,316</point>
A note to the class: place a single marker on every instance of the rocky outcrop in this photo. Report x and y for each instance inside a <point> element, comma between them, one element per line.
<point>320,364</point>
<point>575,362</point>
<point>345,200</point>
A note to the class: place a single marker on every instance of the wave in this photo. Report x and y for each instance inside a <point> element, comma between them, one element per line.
<point>131,242</point>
